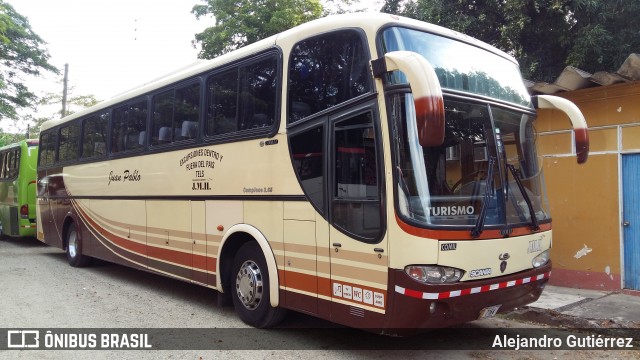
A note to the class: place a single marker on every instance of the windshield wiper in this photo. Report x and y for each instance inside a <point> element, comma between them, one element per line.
<point>488,190</point>
<point>525,196</point>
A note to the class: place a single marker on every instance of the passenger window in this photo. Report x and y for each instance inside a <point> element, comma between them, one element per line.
<point>129,127</point>
<point>47,149</point>
<point>325,71</point>
<point>244,98</point>
<point>69,143</point>
<point>223,96</point>
<point>15,166</point>
<point>94,134</point>
<point>187,111</point>
<point>176,115</point>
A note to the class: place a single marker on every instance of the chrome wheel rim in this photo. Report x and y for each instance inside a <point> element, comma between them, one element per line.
<point>73,244</point>
<point>249,285</point>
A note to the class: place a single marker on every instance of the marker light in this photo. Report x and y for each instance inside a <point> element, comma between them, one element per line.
<point>541,259</point>
<point>432,274</point>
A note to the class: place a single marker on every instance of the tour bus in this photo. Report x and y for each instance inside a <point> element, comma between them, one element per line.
<point>18,188</point>
<point>368,169</point>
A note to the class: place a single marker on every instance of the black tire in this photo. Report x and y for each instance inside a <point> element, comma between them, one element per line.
<point>74,248</point>
<point>250,288</point>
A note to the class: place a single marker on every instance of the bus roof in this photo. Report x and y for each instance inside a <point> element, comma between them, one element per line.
<point>371,22</point>
<point>28,142</point>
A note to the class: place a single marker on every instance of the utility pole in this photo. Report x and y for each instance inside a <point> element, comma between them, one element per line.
<point>64,90</point>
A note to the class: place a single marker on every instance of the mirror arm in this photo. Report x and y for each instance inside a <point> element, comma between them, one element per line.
<point>427,94</point>
<point>580,128</point>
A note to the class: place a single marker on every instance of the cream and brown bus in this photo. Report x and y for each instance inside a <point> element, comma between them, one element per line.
<point>375,171</point>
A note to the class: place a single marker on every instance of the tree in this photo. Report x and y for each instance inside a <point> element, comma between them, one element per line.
<point>22,54</point>
<point>544,35</point>
<point>242,22</point>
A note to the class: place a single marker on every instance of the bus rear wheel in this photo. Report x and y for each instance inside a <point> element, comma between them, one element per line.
<point>250,288</point>
<point>74,248</point>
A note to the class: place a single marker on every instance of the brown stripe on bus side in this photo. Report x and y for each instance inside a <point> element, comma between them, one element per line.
<point>300,263</point>
<point>175,256</point>
<point>368,275</point>
<point>187,236</point>
<point>362,257</point>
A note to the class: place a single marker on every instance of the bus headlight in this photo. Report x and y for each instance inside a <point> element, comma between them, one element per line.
<point>541,259</point>
<point>432,274</point>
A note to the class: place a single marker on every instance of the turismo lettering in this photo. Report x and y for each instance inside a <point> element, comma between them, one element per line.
<point>451,210</point>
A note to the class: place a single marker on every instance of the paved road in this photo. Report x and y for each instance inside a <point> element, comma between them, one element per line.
<point>40,290</point>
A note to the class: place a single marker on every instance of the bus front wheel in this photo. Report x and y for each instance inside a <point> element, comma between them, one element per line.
<point>74,248</point>
<point>250,288</point>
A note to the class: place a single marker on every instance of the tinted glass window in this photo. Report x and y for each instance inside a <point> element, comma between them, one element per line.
<point>129,124</point>
<point>308,160</point>
<point>175,115</point>
<point>356,202</point>
<point>325,71</point>
<point>94,134</point>
<point>162,129</point>
<point>69,143</point>
<point>243,98</point>
<point>461,66</point>
<point>47,150</point>
<point>9,163</point>
<point>186,111</point>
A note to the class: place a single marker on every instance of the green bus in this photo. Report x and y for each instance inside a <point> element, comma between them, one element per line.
<point>18,164</point>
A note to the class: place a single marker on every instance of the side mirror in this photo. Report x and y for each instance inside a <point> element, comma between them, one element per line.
<point>580,129</point>
<point>427,94</point>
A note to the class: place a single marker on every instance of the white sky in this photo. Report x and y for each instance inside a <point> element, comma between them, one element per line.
<point>112,46</point>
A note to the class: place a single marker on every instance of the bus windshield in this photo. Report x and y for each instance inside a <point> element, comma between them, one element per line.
<point>460,66</point>
<point>486,171</point>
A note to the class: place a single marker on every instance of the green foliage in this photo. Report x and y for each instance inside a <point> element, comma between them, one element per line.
<point>544,35</point>
<point>242,22</point>
<point>21,54</point>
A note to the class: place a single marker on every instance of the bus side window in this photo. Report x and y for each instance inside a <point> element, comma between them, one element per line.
<point>15,166</point>
<point>243,98</point>
<point>161,126</point>
<point>222,103</point>
<point>46,151</point>
<point>128,122</point>
<point>325,71</point>
<point>69,146</point>
<point>94,133</point>
<point>187,111</point>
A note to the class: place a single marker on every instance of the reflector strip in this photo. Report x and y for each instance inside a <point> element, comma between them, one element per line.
<point>468,291</point>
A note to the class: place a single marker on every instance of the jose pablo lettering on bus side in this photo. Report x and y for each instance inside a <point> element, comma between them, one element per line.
<point>125,176</point>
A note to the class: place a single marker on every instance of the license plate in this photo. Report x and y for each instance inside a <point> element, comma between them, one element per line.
<point>488,312</point>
